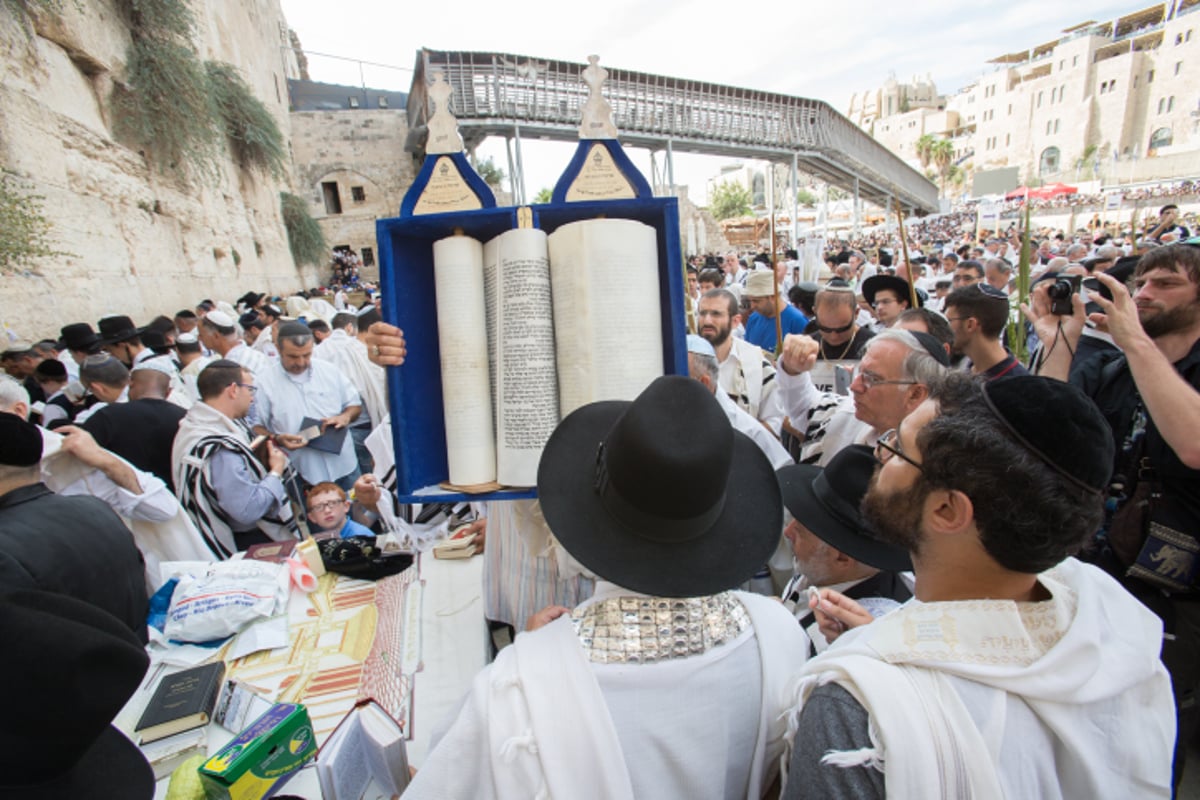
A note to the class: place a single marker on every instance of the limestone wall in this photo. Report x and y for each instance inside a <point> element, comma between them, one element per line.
<point>139,243</point>
<point>361,152</point>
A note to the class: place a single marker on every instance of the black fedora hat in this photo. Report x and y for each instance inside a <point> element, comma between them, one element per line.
<point>900,286</point>
<point>661,495</point>
<point>73,667</point>
<point>117,329</point>
<point>78,336</point>
<point>826,502</point>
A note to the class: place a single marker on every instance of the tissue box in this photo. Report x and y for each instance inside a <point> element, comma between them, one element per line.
<point>261,758</point>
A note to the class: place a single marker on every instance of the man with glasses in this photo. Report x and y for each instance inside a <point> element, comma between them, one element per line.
<point>888,297</point>
<point>839,340</point>
<point>234,500</point>
<point>978,315</point>
<point>891,380</point>
<point>1021,672</point>
<point>967,273</point>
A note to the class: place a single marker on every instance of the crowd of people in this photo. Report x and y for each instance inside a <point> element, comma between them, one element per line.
<point>983,569</point>
<point>345,265</point>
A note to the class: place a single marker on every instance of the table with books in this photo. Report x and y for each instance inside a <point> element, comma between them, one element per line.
<point>412,642</point>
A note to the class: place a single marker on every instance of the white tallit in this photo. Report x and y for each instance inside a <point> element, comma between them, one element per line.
<point>1065,698</point>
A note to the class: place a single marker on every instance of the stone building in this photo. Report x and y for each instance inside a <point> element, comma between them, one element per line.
<point>1108,100</point>
<point>137,242</point>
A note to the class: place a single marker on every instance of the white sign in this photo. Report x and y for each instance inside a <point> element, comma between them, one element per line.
<point>989,215</point>
<point>1112,201</point>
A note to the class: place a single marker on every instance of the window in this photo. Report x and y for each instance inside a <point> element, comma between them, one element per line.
<point>1039,100</point>
<point>1170,104</point>
<point>1049,127</point>
<point>1062,64</point>
<point>1049,161</point>
<point>357,194</point>
<point>1150,76</point>
<point>1057,124</point>
<point>1104,88</point>
<point>353,102</point>
<point>1178,64</point>
<point>1007,139</point>
<point>1162,104</point>
<point>1160,138</point>
<point>383,102</point>
<point>333,200</point>
<point>1010,109</point>
<point>1179,38</point>
<point>1075,61</point>
<point>368,257</point>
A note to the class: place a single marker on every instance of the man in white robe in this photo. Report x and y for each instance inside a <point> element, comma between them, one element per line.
<point>1017,671</point>
<point>665,683</point>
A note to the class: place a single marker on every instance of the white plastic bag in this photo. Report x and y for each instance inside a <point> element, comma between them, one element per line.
<point>224,598</point>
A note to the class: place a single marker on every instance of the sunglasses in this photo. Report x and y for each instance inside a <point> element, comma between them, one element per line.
<point>826,329</point>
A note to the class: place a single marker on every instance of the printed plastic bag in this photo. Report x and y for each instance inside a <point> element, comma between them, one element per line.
<point>224,598</point>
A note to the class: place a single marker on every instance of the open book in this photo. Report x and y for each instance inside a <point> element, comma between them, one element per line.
<point>531,327</point>
<point>366,745</point>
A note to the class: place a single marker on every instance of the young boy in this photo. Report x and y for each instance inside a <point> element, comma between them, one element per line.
<point>328,510</point>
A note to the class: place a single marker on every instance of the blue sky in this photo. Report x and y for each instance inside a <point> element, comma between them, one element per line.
<point>824,50</point>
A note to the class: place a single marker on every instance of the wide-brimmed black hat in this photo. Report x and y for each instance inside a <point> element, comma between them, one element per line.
<point>77,336</point>
<point>117,329</point>
<point>826,502</point>
<point>900,286</point>
<point>661,495</point>
<point>70,667</point>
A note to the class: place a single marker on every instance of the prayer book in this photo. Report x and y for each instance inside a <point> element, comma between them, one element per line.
<point>328,442</point>
<point>457,547</point>
<point>368,744</point>
<point>532,326</point>
<point>166,754</point>
<point>182,701</point>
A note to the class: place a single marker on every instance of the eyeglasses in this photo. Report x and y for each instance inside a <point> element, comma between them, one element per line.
<point>843,329</point>
<point>870,380</point>
<point>329,505</point>
<point>887,445</point>
<point>253,389</point>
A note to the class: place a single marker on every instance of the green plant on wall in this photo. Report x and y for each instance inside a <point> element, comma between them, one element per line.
<point>305,239</point>
<point>254,138</point>
<point>25,233</point>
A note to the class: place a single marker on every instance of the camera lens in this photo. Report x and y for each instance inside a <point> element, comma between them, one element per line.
<point>1061,289</point>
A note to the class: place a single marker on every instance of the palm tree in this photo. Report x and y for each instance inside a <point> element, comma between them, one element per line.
<point>924,148</point>
<point>942,155</point>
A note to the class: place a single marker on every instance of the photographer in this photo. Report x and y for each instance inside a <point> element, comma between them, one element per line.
<point>1150,395</point>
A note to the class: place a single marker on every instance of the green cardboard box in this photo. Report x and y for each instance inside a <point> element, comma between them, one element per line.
<point>261,758</point>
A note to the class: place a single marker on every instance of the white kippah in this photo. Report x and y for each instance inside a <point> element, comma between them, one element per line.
<point>220,319</point>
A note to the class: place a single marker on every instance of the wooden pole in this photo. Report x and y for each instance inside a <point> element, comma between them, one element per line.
<point>912,284</point>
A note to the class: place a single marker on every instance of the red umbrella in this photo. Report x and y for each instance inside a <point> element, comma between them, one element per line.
<point>1053,190</point>
<point>1017,193</point>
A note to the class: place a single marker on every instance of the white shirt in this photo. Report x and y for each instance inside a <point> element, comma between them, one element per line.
<point>252,360</point>
<point>284,400</point>
<point>748,425</point>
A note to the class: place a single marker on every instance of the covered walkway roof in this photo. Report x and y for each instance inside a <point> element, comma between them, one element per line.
<point>497,94</point>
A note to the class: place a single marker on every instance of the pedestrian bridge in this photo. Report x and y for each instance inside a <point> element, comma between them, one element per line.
<point>498,94</point>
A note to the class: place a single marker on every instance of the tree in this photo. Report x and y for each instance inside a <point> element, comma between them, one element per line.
<point>491,174</point>
<point>543,196</point>
<point>730,200</point>
<point>924,148</point>
<point>806,198</point>
<point>942,156</point>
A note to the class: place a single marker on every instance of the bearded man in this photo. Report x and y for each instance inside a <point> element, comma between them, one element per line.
<point>746,375</point>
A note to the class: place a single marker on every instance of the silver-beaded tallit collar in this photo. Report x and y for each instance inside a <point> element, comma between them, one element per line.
<point>643,630</point>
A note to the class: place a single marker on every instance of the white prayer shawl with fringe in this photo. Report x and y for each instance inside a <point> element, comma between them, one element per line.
<point>203,432</point>
<point>536,724</point>
<point>987,699</point>
<point>349,355</point>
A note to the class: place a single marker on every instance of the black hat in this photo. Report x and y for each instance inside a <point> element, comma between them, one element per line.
<point>250,299</point>
<point>20,441</point>
<point>251,319</point>
<point>900,286</point>
<point>78,336</point>
<point>50,369</point>
<point>73,667</point>
<point>826,502</point>
<point>1059,424</point>
<point>272,310</point>
<point>154,339</point>
<point>117,329</point>
<point>661,495</point>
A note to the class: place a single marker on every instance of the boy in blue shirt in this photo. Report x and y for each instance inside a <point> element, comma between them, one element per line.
<point>328,510</point>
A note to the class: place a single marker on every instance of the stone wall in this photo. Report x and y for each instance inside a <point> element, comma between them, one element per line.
<point>138,243</point>
<point>354,160</point>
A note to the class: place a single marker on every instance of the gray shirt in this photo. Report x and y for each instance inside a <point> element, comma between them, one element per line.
<point>831,720</point>
<point>243,497</point>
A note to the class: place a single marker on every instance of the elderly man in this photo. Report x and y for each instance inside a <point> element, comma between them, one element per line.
<point>219,334</point>
<point>891,380</point>
<point>746,375</point>
<point>767,304</point>
<point>233,498</point>
<point>1020,672</point>
<point>695,683</point>
<point>297,393</point>
<point>831,547</point>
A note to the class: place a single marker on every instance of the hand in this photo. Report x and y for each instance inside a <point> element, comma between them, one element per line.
<point>478,526</point>
<point>277,460</point>
<point>1120,315</point>
<point>799,353</point>
<point>1045,324</point>
<point>338,421</point>
<point>836,613</point>
<point>80,444</point>
<point>545,617</point>
<point>290,441</point>
<point>385,345</point>
<point>367,491</point>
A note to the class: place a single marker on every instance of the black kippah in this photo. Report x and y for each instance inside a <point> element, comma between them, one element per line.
<point>20,442</point>
<point>932,346</point>
<point>1059,424</point>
